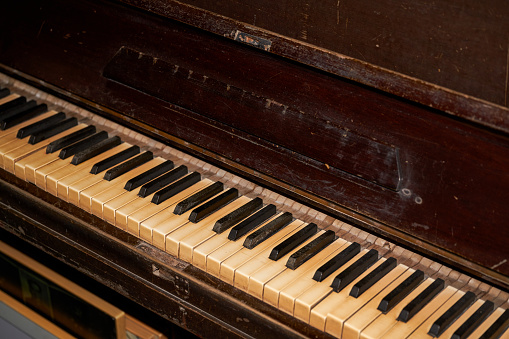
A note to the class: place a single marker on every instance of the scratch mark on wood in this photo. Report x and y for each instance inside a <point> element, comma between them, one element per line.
<point>506,76</point>
<point>40,29</point>
<point>499,264</point>
<point>337,13</point>
<point>305,18</point>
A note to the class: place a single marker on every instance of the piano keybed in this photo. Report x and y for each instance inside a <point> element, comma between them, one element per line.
<point>335,277</point>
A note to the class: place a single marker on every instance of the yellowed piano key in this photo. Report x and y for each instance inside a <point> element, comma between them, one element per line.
<point>74,189</point>
<point>479,331</point>
<point>8,98</point>
<point>200,234</point>
<point>175,238</point>
<point>104,185</point>
<point>371,323</point>
<point>271,272</point>
<point>122,214</point>
<point>135,219</point>
<point>9,135</point>
<point>229,268</point>
<point>319,313</point>
<point>60,180</point>
<point>202,251</point>
<point>425,326</point>
<point>27,166</point>
<point>272,290</point>
<point>37,160</point>
<point>243,268</point>
<point>403,330</point>
<point>457,323</point>
<point>312,296</point>
<point>12,157</point>
<point>11,143</point>
<point>291,292</point>
<point>350,305</point>
<point>214,256</point>
<point>365,316</point>
<point>268,269</point>
<point>165,207</point>
<point>40,175</point>
<point>110,207</point>
<point>164,223</point>
<point>102,198</point>
<point>40,155</point>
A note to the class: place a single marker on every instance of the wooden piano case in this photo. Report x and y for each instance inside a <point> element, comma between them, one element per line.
<point>387,130</point>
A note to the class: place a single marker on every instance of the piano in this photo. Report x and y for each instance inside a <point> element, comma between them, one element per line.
<point>253,168</point>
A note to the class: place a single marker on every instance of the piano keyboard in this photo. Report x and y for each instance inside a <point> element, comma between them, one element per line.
<point>335,277</point>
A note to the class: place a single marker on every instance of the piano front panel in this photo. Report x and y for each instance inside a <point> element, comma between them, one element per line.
<point>172,286</point>
<point>423,177</point>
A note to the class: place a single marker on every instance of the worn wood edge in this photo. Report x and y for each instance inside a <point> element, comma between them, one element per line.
<point>166,264</point>
<point>353,217</point>
<point>454,103</point>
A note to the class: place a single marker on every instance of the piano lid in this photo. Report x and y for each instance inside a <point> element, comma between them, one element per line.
<point>411,160</point>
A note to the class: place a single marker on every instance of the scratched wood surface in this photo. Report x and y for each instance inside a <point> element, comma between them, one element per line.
<point>458,44</point>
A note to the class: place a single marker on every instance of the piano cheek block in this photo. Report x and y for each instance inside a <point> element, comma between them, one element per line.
<point>351,153</point>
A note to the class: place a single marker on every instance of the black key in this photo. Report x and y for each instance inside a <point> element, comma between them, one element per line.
<point>23,116</point>
<point>17,111</point>
<point>128,165</point>
<point>151,174</point>
<point>4,92</point>
<point>373,277</point>
<point>354,271</point>
<point>96,149</point>
<point>252,222</point>
<point>79,146</point>
<point>70,139</point>
<point>401,291</point>
<point>11,104</point>
<point>198,198</point>
<point>421,300</point>
<point>162,181</point>
<point>213,205</point>
<point>40,125</point>
<point>267,231</point>
<point>446,319</point>
<point>115,159</point>
<point>474,320</point>
<point>236,216</point>
<point>335,263</point>
<point>52,131</point>
<point>498,327</point>
<point>176,187</point>
<point>295,240</point>
<point>310,250</point>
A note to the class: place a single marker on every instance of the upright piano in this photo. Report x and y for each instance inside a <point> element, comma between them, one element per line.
<point>265,168</point>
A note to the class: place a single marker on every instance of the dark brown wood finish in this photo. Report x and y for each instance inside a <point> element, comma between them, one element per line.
<point>281,119</point>
<point>457,44</point>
